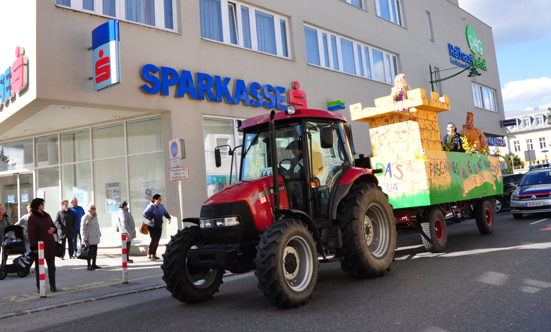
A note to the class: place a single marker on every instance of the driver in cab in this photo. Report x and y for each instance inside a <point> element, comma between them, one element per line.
<point>297,162</point>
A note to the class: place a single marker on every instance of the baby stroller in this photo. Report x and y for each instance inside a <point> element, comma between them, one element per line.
<point>21,264</point>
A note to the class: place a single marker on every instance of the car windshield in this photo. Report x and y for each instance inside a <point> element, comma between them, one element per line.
<point>257,160</point>
<point>536,178</point>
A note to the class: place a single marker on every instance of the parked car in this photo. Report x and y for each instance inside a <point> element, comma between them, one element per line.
<point>510,182</point>
<point>532,193</point>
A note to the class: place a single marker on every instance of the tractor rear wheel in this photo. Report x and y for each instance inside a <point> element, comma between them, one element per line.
<point>369,232</point>
<point>287,263</point>
<point>484,215</point>
<point>185,282</point>
<point>434,232</point>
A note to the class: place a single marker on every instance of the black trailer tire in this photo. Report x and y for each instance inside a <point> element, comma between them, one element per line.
<point>287,263</point>
<point>485,211</point>
<point>3,274</point>
<point>369,232</point>
<point>434,231</point>
<point>21,274</point>
<point>186,283</point>
<point>517,215</point>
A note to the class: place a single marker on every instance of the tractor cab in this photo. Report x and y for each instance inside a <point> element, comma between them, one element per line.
<point>312,153</point>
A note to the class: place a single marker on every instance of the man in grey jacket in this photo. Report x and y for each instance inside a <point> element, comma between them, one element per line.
<point>126,225</point>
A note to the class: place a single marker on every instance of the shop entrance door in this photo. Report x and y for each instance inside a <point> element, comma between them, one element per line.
<point>16,191</point>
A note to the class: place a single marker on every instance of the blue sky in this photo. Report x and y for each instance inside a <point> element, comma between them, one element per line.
<point>522,35</point>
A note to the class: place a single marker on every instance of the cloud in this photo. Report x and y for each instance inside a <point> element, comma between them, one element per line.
<point>534,91</point>
<point>513,21</point>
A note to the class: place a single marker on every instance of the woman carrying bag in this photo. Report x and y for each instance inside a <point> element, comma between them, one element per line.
<point>125,225</point>
<point>154,214</point>
<point>90,233</point>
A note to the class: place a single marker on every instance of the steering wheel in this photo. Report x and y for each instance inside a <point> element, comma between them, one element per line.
<point>284,160</point>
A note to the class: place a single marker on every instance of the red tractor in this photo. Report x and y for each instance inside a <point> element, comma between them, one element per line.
<point>301,199</point>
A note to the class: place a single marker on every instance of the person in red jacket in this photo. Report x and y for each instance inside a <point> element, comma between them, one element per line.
<point>40,228</point>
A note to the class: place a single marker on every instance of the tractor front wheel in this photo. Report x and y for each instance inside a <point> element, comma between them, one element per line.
<point>287,263</point>
<point>185,282</point>
<point>369,232</point>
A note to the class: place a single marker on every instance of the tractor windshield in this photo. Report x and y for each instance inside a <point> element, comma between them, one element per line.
<point>256,147</point>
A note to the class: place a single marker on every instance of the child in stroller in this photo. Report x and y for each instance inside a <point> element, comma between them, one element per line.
<point>13,243</point>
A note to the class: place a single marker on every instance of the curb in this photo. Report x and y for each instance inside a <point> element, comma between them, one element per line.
<point>32,311</point>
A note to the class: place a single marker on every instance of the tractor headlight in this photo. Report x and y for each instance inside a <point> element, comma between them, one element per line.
<point>219,222</point>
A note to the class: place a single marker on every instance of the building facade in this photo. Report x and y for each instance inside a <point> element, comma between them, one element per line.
<point>530,131</point>
<point>190,69</point>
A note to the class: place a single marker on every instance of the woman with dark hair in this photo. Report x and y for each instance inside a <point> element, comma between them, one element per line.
<point>40,228</point>
<point>452,140</point>
<point>154,214</point>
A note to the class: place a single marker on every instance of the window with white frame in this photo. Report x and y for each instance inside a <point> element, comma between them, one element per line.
<point>429,24</point>
<point>526,122</point>
<point>156,13</point>
<point>357,3</point>
<point>244,26</point>
<point>516,144</point>
<point>539,120</point>
<point>484,97</point>
<point>390,10</point>
<point>542,143</point>
<point>334,52</point>
<point>529,144</point>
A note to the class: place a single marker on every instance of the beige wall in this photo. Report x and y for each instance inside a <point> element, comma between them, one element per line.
<point>63,65</point>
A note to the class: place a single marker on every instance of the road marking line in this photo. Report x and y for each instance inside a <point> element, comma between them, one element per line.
<point>535,222</point>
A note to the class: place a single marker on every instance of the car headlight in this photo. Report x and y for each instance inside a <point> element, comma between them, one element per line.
<point>219,222</point>
<point>514,196</point>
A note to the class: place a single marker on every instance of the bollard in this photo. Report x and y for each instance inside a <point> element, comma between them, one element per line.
<point>41,274</point>
<point>124,259</point>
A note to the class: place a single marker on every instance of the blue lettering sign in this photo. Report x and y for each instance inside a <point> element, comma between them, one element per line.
<point>216,89</point>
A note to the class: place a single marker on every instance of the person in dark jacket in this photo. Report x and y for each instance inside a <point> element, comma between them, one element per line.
<point>66,223</point>
<point>41,227</point>
<point>154,214</point>
<point>452,140</point>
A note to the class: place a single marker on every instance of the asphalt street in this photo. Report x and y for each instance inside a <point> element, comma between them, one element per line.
<point>498,282</point>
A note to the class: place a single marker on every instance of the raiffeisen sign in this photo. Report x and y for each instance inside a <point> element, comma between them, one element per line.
<point>476,47</point>
<point>14,79</point>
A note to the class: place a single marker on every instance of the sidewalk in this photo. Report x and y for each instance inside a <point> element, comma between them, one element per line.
<point>76,284</point>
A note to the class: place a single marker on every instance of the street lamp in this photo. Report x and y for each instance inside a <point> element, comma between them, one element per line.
<point>473,74</point>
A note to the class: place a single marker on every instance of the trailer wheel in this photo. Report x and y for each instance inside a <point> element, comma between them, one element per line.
<point>185,282</point>
<point>287,263</point>
<point>517,215</point>
<point>434,231</point>
<point>484,215</point>
<point>3,274</point>
<point>369,232</point>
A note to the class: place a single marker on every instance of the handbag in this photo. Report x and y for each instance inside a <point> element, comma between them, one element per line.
<point>82,252</point>
<point>60,249</point>
<point>144,229</point>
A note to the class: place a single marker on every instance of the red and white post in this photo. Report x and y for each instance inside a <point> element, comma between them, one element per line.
<point>124,259</point>
<point>41,272</point>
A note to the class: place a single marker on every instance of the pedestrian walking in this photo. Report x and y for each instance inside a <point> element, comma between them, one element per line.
<point>24,221</point>
<point>4,222</point>
<point>66,223</point>
<point>90,232</point>
<point>41,227</point>
<point>79,211</point>
<point>154,214</point>
<point>126,225</point>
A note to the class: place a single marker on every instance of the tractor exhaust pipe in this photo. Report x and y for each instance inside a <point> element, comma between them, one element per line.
<point>275,170</point>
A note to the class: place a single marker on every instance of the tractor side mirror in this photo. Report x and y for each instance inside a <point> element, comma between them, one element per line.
<point>326,137</point>
<point>217,157</point>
